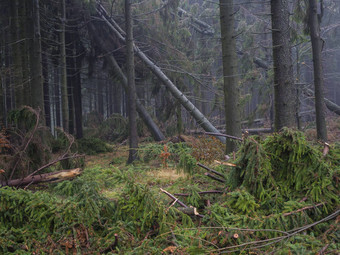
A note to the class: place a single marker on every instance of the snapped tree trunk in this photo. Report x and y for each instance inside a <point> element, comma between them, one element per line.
<point>285,105</point>
<point>199,117</point>
<point>231,91</point>
<point>48,177</point>
<point>314,26</point>
<point>130,64</point>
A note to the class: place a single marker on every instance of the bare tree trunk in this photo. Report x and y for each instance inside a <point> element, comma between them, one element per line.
<point>231,91</point>
<point>314,26</point>
<point>199,117</point>
<point>64,94</point>
<point>36,74</point>
<point>284,90</point>
<point>16,69</point>
<point>133,136</point>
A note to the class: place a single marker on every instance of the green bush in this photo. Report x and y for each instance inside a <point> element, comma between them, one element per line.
<point>92,146</point>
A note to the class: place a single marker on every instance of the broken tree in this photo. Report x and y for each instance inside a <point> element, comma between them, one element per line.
<point>199,117</point>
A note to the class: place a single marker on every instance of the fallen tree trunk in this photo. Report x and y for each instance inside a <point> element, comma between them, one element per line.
<point>48,177</point>
<point>199,117</point>
<point>329,104</point>
<point>143,113</point>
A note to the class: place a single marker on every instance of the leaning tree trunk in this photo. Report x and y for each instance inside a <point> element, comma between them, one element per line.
<point>143,114</point>
<point>231,91</point>
<point>133,136</point>
<point>199,117</point>
<point>285,99</point>
<point>314,26</point>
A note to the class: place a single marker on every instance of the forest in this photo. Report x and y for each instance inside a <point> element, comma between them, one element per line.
<point>169,126</point>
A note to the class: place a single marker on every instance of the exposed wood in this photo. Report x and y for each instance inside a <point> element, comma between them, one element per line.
<point>211,170</point>
<point>189,210</point>
<point>224,163</point>
<point>178,201</point>
<point>214,177</point>
<point>48,177</point>
<point>174,198</point>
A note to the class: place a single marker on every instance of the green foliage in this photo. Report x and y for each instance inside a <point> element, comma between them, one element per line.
<point>187,163</point>
<point>92,146</point>
<point>284,166</point>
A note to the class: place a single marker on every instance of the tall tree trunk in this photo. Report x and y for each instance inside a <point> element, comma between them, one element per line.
<point>284,89</point>
<point>78,109</point>
<point>230,71</point>
<point>46,91</point>
<point>314,25</point>
<point>16,69</point>
<point>69,38</point>
<point>36,62</point>
<point>133,136</point>
<point>64,95</point>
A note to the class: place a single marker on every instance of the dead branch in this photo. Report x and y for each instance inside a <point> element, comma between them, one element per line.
<point>303,209</point>
<point>200,193</point>
<point>224,135</point>
<point>63,157</point>
<point>22,151</point>
<point>179,201</point>
<point>211,170</point>
<point>214,177</point>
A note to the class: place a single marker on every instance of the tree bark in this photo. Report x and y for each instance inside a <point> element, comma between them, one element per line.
<point>153,128</point>
<point>130,64</point>
<point>64,94</point>
<point>230,74</point>
<point>199,117</point>
<point>48,177</point>
<point>36,73</point>
<point>285,101</point>
<point>314,26</point>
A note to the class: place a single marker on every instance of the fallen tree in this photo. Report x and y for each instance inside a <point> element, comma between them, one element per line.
<point>143,113</point>
<point>120,34</point>
<point>48,177</point>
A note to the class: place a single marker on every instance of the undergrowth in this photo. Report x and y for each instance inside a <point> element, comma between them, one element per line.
<point>282,186</point>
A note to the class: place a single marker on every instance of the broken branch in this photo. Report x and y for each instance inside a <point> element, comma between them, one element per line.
<point>213,177</point>
<point>211,170</point>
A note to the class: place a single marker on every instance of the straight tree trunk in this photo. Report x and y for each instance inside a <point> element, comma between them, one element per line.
<point>314,26</point>
<point>46,91</point>
<point>64,95</point>
<point>16,69</point>
<point>230,71</point>
<point>285,101</point>
<point>133,136</point>
<point>78,109</point>
<point>36,62</point>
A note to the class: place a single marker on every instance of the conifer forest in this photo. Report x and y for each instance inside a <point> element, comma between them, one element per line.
<point>169,127</point>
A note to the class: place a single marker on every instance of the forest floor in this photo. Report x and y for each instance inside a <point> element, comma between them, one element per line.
<point>281,197</point>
